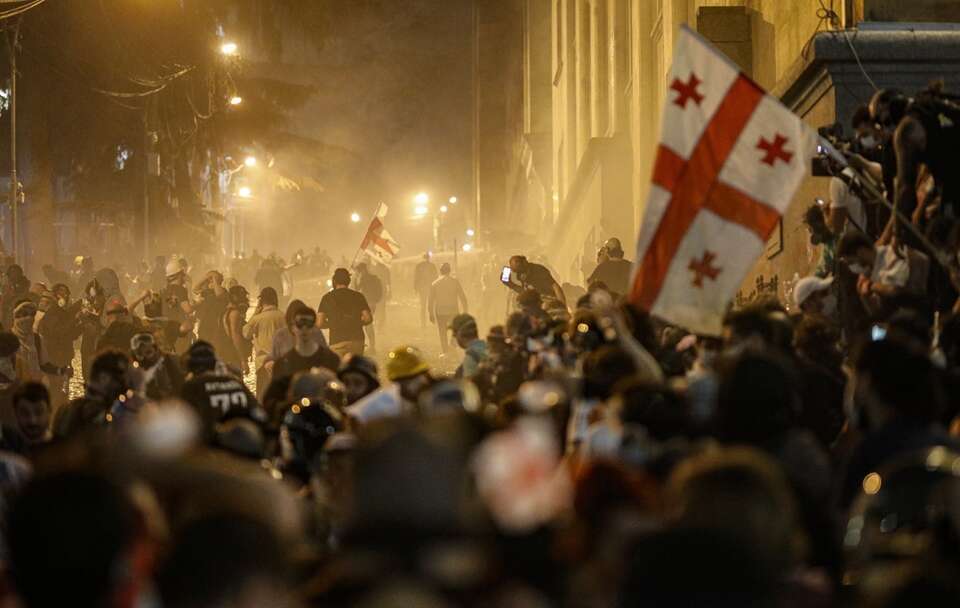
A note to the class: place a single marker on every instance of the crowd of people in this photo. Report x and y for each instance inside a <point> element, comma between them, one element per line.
<point>583,453</point>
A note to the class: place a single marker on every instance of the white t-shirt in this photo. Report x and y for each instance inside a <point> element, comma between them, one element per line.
<point>889,268</point>
<point>842,198</point>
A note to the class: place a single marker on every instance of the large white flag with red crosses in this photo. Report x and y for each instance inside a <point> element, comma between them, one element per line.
<point>729,161</point>
<point>377,242</point>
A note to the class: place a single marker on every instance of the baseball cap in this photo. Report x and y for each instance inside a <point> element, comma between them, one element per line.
<point>807,286</point>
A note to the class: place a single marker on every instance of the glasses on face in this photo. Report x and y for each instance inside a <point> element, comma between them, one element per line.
<point>304,323</point>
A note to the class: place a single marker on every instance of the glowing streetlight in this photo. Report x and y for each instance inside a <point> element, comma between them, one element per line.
<point>236,100</point>
<point>471,232</point>
<point>453,200</point>
<point>244,192</point>
<point>250,161</point>
<point>355,217</point>
<point>229,48</point>
<point>467,247</point>
<point>422,198</point>
<point>420,210</point>
<point>444,209</point>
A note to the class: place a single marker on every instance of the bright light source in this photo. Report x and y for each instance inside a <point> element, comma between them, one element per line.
<point>467,247</point>
<point>453,200</point>
<point>250,161</point>
<point>444,209</point>
<point>471,232</point>
<point>355,218</point>
<point>229,48</point>
<point>244,192</point>
<point>421,198</point>
<point>420,210</point>
<point>236,100</point>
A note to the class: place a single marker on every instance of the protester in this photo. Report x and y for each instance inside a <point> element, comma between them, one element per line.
<point>360,377</point>
<point>445,301</point>
<point>283,339</point>
<point>465,332</point>
<point>266,321</point>
<point>162,376</point>
<point>234,318</point>
<point>213,392</point>
<point>306,353</point>
<point>120,327</point>
<point>33,411</point>
<point>372,289</point>
<point>614,271</point>
<point>409,375</point>
<point>534,276</point>
<point>423,277</point>
<point>344,312</point>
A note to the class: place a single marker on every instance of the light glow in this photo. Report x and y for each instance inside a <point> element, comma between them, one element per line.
<point>229,48</point>
<point>355,217</point>
<point>250,161</point>
<point>236,100</point>
<point>245,192</point>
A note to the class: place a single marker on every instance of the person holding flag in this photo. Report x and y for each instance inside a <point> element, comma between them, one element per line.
<point>729,161</point>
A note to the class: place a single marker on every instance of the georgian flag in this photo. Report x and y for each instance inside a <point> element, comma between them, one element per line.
<point>377,242</point>
<point>729,161</point>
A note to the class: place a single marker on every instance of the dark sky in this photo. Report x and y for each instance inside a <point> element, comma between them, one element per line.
<point>393,80</point>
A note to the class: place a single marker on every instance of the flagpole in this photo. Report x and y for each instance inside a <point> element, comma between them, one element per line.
<point>356,256</point>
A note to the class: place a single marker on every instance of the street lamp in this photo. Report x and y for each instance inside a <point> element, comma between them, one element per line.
<point>444,209</point>
<point>453,200</point>
<point>422,198</point>
<point>471,232</point>
<point>420,210</point>
<point>229,48</point>
<point>244,192</point>
<point>236,100</point>
<point>467,247</point>
<point>250,161</point>
<point>355,217</point>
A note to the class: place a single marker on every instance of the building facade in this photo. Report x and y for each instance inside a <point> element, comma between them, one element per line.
<point>569,163</point>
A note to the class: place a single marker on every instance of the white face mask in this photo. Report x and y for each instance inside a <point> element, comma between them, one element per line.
<point>829,305</point>
<point>858,268</point>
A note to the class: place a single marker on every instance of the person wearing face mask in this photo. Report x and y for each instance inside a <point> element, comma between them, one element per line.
<point>107,383</point>
<point>889,275</point>
<point>32,360</point>
<point>162,376</point>
<point>59,329</point>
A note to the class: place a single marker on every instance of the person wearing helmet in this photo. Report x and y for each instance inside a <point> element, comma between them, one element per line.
<point>409,376</point>
<point>614,271</point>
<point>213,392</point>
<point>315,415</point>
<point>359,376</point>
<point>176,301</point>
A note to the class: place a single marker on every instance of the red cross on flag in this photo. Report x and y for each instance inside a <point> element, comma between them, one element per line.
<point>377,242</point>
<point>729,161</point>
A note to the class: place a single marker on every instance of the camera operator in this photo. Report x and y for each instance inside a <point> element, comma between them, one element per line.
<point>925,131</point>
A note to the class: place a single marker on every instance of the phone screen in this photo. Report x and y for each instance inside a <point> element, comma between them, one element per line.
<point>878,332</point>
<point>505,274</point>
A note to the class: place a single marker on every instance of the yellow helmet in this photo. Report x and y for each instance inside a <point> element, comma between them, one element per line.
<point>405,362</point>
